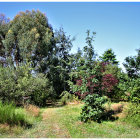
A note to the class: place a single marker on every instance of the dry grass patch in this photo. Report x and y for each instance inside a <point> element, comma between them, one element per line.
<point>118,109</point>
<point>32,109</point>
<point>5,128</point>
<point>74,103</point>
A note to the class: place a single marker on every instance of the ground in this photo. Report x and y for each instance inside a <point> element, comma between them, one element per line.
<point>63,122</point>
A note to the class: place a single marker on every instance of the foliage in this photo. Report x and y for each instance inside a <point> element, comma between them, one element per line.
<point>59,67</point>
<point>108,83</point>
<point>66,97</point>
<point>93,108</point>
<point>89,53</point>
<point>133,90</point>
<point>128,88</point>
<point>133,114</point>
<point>132,65</point>
<point>109,56</point>
<point>93,81</point>
<point>112,69</point>
<point>4,25</point>
<point>9,115</point>
<point>122,86</point>
<point>18,84</point>
<point>29,37</point>
<point>90,76</point>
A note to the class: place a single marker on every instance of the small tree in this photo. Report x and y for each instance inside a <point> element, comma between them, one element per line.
<point>109,56</point>
<point>93,109</point>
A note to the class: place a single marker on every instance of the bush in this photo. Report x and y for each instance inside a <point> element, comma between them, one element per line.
<point>66,97</point>
<point>134,90</point>
<point>133,114</point>
<point>93,81</point>
<point>93,109</point>
<point>19,83</point>
<point>129,88</point>
<point>9,115</point>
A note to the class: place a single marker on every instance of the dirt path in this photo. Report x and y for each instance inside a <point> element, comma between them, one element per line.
<point>51,115</point>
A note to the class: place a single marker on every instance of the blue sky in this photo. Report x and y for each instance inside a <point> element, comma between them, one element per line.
<point>117,24</point>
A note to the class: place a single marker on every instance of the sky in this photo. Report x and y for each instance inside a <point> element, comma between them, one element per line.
<point>117,24</point>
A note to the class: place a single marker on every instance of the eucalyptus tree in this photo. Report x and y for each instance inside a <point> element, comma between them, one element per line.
<point>4,25</point>
<point>30,36</point>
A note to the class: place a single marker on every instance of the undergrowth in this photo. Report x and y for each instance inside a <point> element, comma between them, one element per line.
<point>9,115</point>
<point>133,114</point>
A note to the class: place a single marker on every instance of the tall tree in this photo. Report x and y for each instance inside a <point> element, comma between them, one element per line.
<point>4,25</point>
<point>59,68</point>
<point>77,60</point>
<point>29,37</point>
<point>132,65</point>
<point>89,52</point>
<point>84,59</point>
<point>109,56</point>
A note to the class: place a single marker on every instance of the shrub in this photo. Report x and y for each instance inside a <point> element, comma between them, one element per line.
<point>66,97</point>
<point>134,90</point>
<point>93,81</point>
<point>129,88</point>
<point>133,114</point>
<point>108,83</point>
<point>17,83</point>
<point>93,109</point>
<point>9,115</point>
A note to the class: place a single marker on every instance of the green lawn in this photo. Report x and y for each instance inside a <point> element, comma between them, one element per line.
<point>63,122</point>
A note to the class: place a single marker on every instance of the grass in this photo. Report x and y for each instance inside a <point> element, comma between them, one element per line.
<point>133,114</point>
<point>33,110</point>
<point>63,122</point>
<point>9,115</point>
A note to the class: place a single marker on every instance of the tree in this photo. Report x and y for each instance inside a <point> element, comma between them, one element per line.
<point>77,61</point>
<point>109,56</point>
<point>59,68</point>
<point>4,24</point>
<point>85,58</point>
<point>29,37</point>
<point>132,65</point>
<point>89,52</point>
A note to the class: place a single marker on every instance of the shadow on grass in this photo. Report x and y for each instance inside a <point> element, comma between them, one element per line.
<point>108,116</point>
